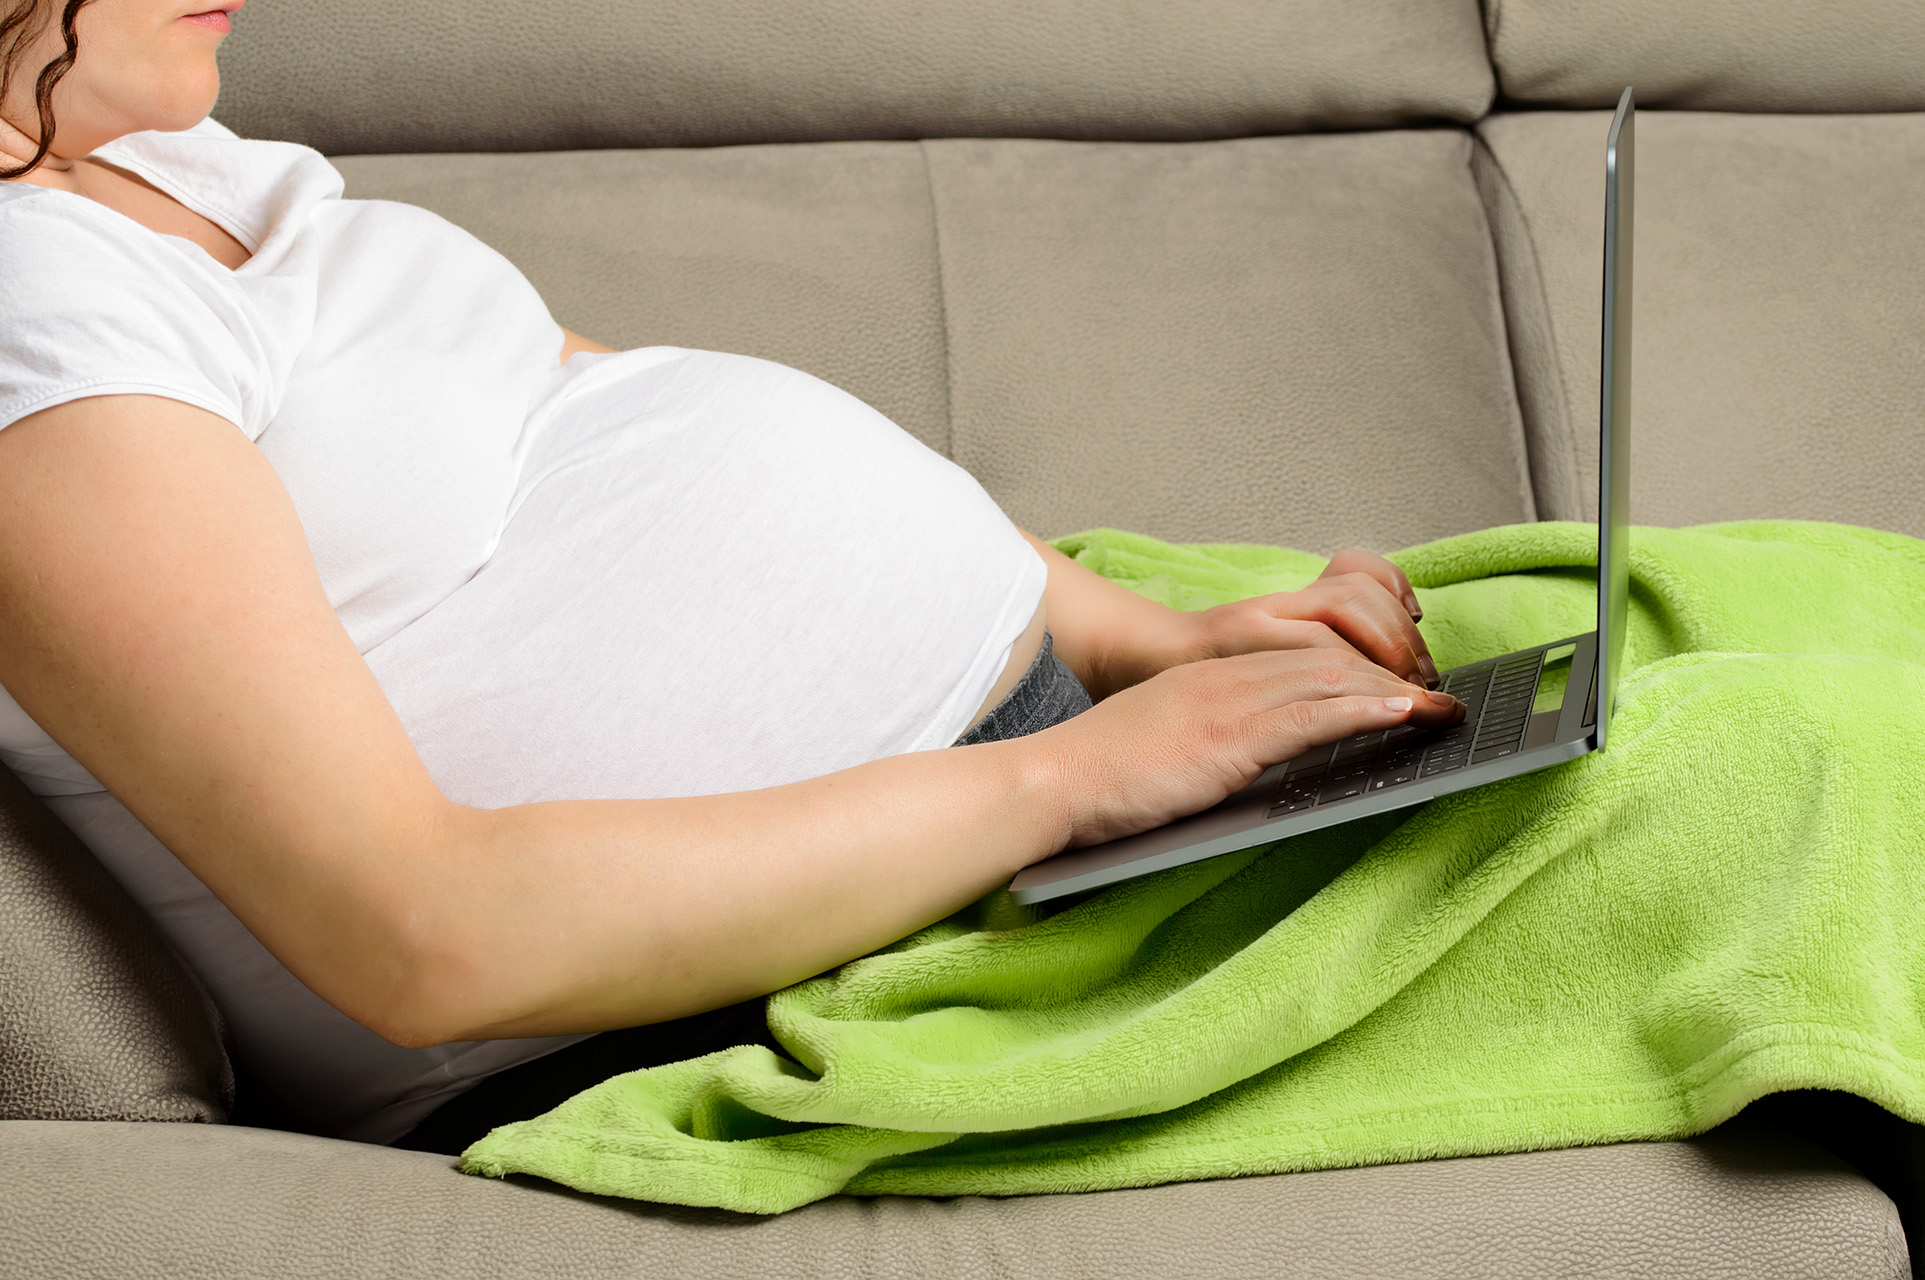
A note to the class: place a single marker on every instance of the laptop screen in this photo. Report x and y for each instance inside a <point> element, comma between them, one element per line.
<point>1614,452</point>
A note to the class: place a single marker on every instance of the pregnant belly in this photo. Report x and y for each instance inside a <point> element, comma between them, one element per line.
<point>717,574</point>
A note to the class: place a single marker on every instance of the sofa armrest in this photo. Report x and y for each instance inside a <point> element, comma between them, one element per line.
<point>121,1199</point>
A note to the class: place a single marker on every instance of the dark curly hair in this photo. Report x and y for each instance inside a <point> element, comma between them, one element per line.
<point>20,25</point>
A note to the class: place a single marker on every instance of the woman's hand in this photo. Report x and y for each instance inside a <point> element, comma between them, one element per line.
<point>1200,731</point>
<point>1113,638</point>
<point>1361,603</point>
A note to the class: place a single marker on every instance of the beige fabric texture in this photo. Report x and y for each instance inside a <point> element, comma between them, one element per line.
<point>1293,340</point>
<point>488,75</point>
<point>822,257</point>
<point>86,1201</point>
<point>1779,321</point>
<point>1549,437</point>
<point>1712,55</point>
<point>98,1018</point>
<point>1290,340</point>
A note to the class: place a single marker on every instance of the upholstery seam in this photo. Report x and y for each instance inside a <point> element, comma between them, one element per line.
<point>1527,470</point>
<point>1560,396</point>
<point>1492,17</point>
<point>942,306</point>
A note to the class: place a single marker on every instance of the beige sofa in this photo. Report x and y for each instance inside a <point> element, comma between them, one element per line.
<point>1296,271</point>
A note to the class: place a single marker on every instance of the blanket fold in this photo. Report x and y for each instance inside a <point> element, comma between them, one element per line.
<point>1636,944</point>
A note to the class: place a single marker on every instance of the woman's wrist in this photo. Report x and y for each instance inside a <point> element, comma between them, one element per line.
<point>1109,636</point>
<point>1149,641</point>
<point>1044,795</point>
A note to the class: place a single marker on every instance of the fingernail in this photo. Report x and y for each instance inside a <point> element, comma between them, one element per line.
<point>1415,610</point>
<point>1429,668</point>
<point>1442,699</point>
<point>1397,704</point>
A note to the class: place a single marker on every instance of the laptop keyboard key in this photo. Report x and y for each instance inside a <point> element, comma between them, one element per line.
<point>1497,699</point>
<point>1393,777</point>
<point>1342,788</point>
<point>1364,744</point>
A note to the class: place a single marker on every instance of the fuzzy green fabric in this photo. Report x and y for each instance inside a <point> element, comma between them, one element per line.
<point>1724,904</point>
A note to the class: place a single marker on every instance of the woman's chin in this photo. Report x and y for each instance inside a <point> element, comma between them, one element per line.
<point>188,116</point>
<point>178,101</point>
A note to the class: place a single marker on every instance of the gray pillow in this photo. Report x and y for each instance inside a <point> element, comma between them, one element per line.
<point>99,1019</point>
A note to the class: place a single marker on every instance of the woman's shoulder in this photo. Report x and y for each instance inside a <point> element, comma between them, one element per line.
<point>55,242</point>
<point>94,302</point>
<point>49,234</point>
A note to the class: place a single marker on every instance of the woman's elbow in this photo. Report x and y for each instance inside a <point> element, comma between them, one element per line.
<point>413,1008</point>
<point>429,969</point>
<point>412,979</point>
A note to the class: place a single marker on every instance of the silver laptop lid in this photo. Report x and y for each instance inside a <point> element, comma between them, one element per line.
<point>1614,425</point>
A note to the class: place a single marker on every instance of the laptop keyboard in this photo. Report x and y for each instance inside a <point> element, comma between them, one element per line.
<point>1497,699</point>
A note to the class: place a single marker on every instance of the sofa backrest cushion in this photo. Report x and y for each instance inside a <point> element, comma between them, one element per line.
<point>820,256</point>
<point>1712,55</point>
<point>1293,339</point>
<point>1776,369</point>
<point>489,75</point>
<point>99,1020</point>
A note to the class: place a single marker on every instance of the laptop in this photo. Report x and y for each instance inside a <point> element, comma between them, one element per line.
<point>1524,711</point>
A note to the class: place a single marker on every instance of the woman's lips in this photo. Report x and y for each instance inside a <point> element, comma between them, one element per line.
<point>214,19</point>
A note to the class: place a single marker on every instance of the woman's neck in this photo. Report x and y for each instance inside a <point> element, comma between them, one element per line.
<point>16,149</point>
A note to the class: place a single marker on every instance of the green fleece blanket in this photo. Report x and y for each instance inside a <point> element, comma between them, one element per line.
<point>1724,904</point>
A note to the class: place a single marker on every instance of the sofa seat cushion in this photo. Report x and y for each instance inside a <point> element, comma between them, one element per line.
<point>1293,340</point>
<point>485,75</point>
<point>1779,327</point>
<point>87,1200</point>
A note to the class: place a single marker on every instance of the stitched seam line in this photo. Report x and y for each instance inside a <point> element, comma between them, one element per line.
<point>942,307</point>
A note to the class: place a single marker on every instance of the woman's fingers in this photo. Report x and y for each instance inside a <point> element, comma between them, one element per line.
<point>1358,607</point>
<point>1334,700</point>
<point>1361,602</point>
<point>1282,704</point>
<point>1316,721</point>
<point>1380,570</point>
<point>1276,679</point>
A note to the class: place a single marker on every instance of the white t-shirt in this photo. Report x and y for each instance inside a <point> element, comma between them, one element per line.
<point>657,573</point>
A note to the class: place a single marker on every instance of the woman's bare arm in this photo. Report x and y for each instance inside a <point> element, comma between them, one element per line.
<point>1113,638</point>
<point>161,617</point>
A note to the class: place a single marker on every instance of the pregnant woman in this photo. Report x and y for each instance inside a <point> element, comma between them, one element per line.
<point>456,693</point>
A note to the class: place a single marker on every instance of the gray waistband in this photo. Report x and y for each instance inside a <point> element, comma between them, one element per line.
<point>1048,694</point>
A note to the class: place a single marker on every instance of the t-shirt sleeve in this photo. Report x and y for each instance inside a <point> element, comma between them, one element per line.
<point>94,304</point>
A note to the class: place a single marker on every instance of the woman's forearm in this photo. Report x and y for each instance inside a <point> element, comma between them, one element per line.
<point>1113,638</point>
<point>572,916</point>
<point>1103,631</point>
